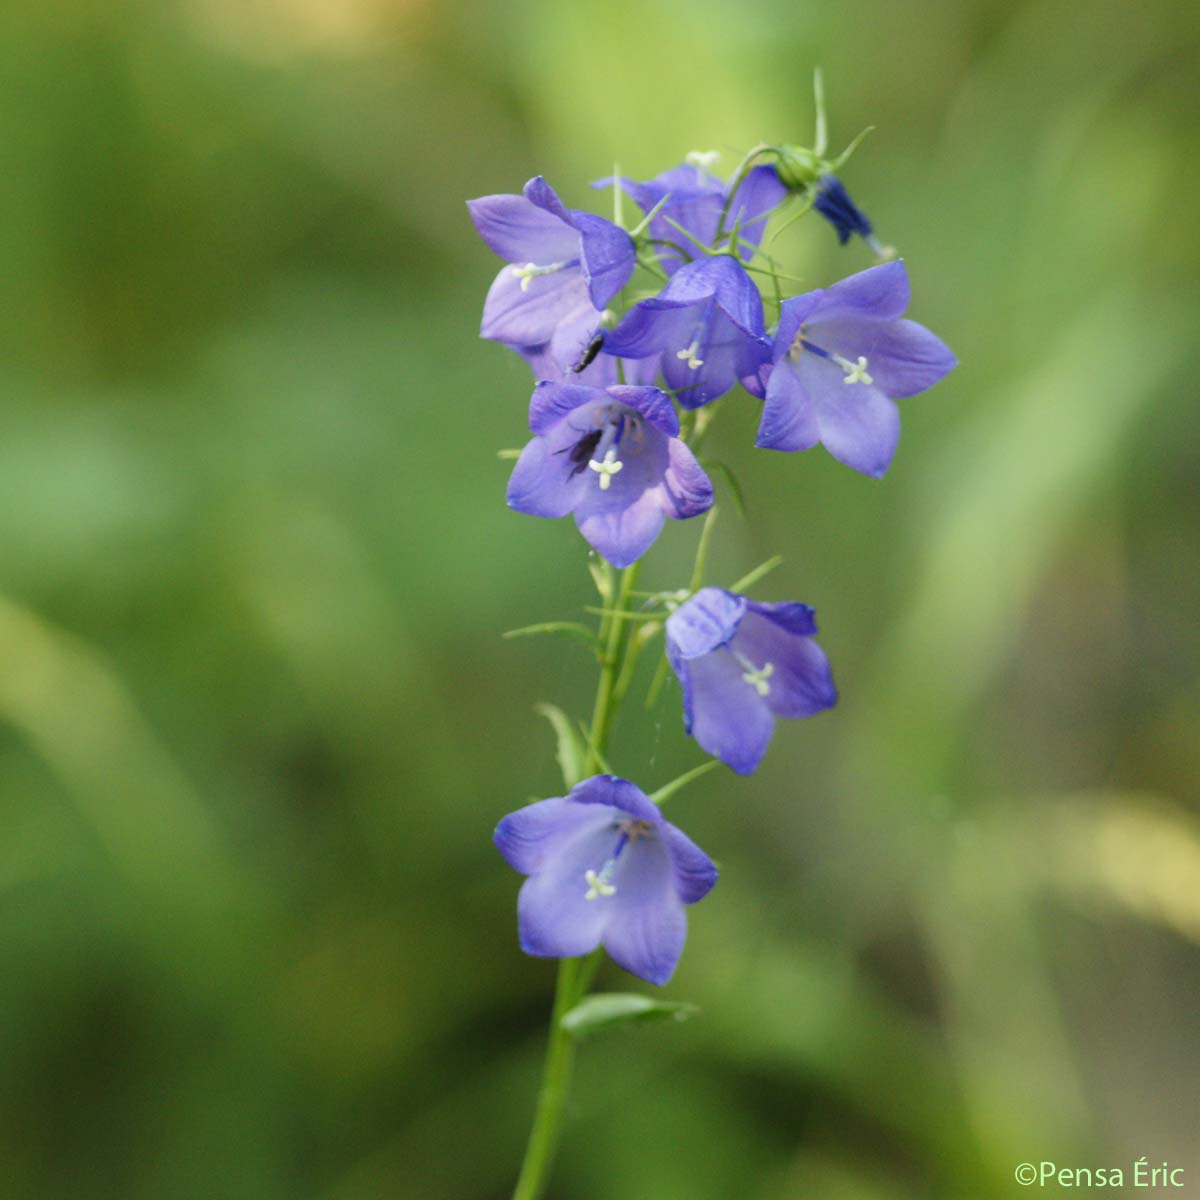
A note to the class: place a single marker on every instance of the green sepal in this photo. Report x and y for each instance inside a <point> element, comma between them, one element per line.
<point>571,754</point>
<point>605,1011</point>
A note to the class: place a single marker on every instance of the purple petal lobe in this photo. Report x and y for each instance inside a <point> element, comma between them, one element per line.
<point>608,256</point>
<point>653,403</point>
<point>520,231</point>
<point>708,620</point>
<point>617,793</point>
<point>529,316</point>
<point>621,535</point>
<point>789,417</point>
<point>759,192</point>
<point>880,292</point>
<point>528,836</point>
<point>800,683</point>
<point>729,718</point>
<point>860,426</point>
<point>695,874</point>
<point>686,490</point>
<point>648,926</point>
<point>552,402</point>
<point>904,358</point>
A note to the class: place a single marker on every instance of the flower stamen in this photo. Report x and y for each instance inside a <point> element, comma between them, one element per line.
<point>856,372</point>
<point>531,271</point>
<point>756,677</point>
<point>606,468</point>
<point>598,882</point>
<point>689,355</point>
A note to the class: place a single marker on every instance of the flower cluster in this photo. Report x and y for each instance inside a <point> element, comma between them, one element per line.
<point>631,334</point>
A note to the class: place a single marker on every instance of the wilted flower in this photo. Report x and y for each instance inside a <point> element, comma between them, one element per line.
<point>606,870</point>
<point>833,202</point>
<point>566,265</point>
<point>741,664</point>
<point>706,326</point>
<point>841,357</point>
<point>613,457</point>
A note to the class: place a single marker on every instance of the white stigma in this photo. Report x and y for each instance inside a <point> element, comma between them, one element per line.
<point>597,882</point>
<point>606,469</point>
<point>856,372</point>
<point>758,679</point>
<point>531,271</point>
<point>689,355</point>
<point>702,160</point>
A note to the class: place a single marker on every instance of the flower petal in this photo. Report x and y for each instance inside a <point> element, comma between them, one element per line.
<point>759,193</point>
<point>542,483</point>
<point>608,256</point>
<point>621,536</point>
<point>904,358</point>
<point>708,620</point>
<point>801,683</point>
<point>880,292</point>
<point>860,426</point>
<point>686,491</point>
<point>789,417</point>
<point>520,230</point>
<point>695,873</point>
<point>653,403</point>
<point>619,794</point>
<point>553,401</point>
<point>648,926</point>
<point>529,316</point>
<point>554,916</point>
<point>729,718</point>
<point>528,836</point>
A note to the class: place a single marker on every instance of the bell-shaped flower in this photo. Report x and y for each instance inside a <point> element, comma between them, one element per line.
<point>841,357</point>
<point>695,200</point>
<point>705,326</point>
<point>614,458</point>
<point>741,664</point>
<point>605,869</point>
<point>565,265</point>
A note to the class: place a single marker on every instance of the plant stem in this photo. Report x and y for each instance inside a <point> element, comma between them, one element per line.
<point>574,974</point>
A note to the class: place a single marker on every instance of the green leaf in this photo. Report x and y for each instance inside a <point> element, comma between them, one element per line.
<point>611,1010</point>
<point>572,628</point>
<point>572,757</point>
<point>731,481</point>
<point>601,574</point>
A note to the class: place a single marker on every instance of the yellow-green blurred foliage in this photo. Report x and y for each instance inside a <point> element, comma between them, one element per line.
<point>256,719</point>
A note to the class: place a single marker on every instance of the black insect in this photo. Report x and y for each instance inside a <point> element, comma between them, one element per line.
<point>581,452</point>
<point>589,353</point>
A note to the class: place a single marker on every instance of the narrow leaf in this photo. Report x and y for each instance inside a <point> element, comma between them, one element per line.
<point>572,757</point>
<point>571,628</point>
<point>605,1011</point>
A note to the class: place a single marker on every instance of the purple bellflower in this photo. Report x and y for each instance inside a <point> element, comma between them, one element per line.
<point>606,870</point>
<point>694,200</point>
<point>613,457</point>
<point>841,357</point>
<point>705,326</point>
<point>741,664</point>
<point>565,266</point>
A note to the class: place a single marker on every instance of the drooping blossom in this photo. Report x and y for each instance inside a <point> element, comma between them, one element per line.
<point>833,202</point>
<point>741,664</point>
<point>613,457</point>
<point>605,869</point>
<point>705,327</point>
<point>564,267</point>
<point>841,357</point>
<point>695,200</point>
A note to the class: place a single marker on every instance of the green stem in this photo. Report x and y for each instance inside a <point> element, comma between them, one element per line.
<point>574,974</point>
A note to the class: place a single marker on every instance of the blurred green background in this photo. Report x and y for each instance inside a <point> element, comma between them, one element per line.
<point>256,719</point>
